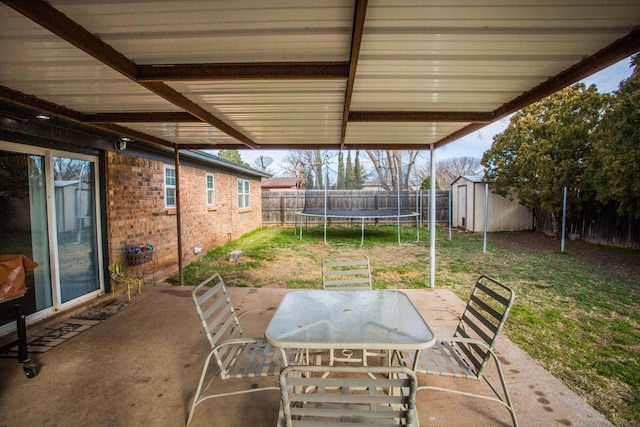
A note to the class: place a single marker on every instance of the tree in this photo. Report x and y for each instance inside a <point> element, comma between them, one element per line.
<point>358,172</point>
<point>349,176</point>
<point>340,182</point>
<point>394,168</point>
<point>448,170</point>
<point>318,165</point>
<point>65,169</point>
<point>307,178</point>
<point>613,169</point>
<point>232,156</point>
<point>308,167</point>
<point>545,148</point>
<point>426,184</point>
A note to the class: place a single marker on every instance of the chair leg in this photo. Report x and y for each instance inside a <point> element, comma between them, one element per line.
<point>504,399</point>
<point>196,398</point>
<point>202,387</point>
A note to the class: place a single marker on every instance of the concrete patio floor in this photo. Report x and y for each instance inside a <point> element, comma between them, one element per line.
<point>141,366</point>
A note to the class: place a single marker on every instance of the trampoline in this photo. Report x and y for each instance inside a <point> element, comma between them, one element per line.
<point>358,205</point>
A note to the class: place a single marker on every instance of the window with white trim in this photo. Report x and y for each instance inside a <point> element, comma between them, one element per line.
<point>211,195</point>
<point>170,187</point>
<point>243,193</point>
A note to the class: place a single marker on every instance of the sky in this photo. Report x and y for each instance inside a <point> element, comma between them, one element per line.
<point>472,145</point>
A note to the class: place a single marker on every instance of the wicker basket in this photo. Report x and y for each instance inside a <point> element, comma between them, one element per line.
<point>139,258</point>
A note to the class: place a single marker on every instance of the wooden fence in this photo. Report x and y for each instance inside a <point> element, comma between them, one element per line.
<point>595,223</point>
<point>279,207</point>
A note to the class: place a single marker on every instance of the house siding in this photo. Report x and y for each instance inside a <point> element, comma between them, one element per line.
<point>136,212</point>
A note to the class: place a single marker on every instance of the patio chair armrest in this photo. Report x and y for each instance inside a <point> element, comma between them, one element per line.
<point>478,343</point>
<point>256,310</point>
<point>465,340</point>
<point>236,341</point>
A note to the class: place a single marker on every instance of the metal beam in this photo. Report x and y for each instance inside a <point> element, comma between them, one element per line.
<point>50,109</point>
<point>605,57</point>
<point>245,71</point>
<point>356,41</point>
<point>138,117</point>
<point>420,116</point>
<point>609,55</point>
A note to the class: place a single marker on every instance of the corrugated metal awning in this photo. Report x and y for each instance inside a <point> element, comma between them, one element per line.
<point>302,74</point>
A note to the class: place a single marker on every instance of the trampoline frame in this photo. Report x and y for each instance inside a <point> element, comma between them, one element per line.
<point>362,216</point>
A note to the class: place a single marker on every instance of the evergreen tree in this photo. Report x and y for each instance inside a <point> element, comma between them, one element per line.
<point>349,177</point>
<point>358,173</point>
<point>232,156</point>
<point>319,170</point>
<point>613,167</point>
<point>308,178</point>
<point>341,177</point>
<point>545,148</point>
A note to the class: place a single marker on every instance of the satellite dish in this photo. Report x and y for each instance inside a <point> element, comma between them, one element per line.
<point>263,162</point>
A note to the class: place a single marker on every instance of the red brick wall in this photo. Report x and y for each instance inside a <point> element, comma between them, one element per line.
<point>136,212</point>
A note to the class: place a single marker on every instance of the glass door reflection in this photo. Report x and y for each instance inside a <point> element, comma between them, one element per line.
<point>76,227</point>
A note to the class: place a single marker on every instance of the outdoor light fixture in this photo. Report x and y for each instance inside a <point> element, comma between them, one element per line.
<point>121,144</point>
<point>43,117</point>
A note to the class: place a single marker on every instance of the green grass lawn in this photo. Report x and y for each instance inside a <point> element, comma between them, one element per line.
<point>579,319</point>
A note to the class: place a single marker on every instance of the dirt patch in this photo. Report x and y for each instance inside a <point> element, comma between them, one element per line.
<point>302,265</point>
<point>611,258</point>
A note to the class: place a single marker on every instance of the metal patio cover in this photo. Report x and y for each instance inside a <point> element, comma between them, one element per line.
<point>302,74</point>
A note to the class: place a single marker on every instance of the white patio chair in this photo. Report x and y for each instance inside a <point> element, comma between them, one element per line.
<point>467,353</point>
<point>346,273</point>
<point>233,355</point>
<point>352,395</point>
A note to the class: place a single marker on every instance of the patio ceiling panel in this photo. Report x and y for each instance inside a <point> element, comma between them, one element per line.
<point>302,73</point>
<point>460,56</point>
<point>36,62</point>
<point>404,135</point>
<point>195,31</point>
<point>168,35</point>
<point>186,135</point>
<point>276,113</point>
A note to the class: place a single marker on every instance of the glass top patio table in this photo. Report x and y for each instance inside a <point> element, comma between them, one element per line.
<point>322,319</point>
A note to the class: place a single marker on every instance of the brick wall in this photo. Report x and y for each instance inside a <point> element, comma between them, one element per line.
<point>136,212</point>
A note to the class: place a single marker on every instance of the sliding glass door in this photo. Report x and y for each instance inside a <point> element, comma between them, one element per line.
<point>49,214</point>
<point>75,227</point>
<point>23,226</point>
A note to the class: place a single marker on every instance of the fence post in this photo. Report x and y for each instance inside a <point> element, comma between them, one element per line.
<point>282,211</point>
<point>564,216</point>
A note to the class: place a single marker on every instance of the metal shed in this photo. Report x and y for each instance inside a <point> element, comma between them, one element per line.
<point>468,208</point>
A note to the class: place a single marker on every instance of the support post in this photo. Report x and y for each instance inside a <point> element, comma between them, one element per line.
<point>326,200</point>
<point>432,219</point>
<point>450,214</point>
<point>398,194</point>
<point>176,152</point>
<point>486,217</point>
